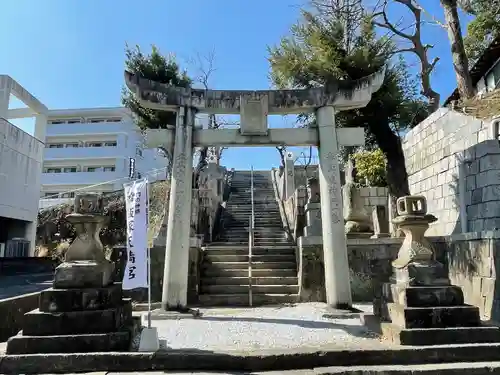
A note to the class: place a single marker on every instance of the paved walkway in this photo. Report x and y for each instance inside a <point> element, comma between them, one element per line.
<point>303,326</point>
<point>16,285</point>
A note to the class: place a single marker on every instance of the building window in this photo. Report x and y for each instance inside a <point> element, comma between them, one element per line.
<point>109,169</point>
<point>55,122</point>
<point>138,151</point>
<point>114,120</point>
<point>96,120</point>
<point>74,121</point>
<point>56,145</point>
<point>72,145</point>
<point>110,144</point>
<point>95,144</point>
<point>92,169</point>
<point>51,195</point>
<point>70,170</point>
<point>53,170</point>
<point>71,194</point>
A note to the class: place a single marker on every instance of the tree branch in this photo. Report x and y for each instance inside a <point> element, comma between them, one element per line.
<point>417,47</point>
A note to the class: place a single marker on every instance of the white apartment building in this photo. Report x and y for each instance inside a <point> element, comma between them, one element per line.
<point>93,149</point>
<point>21,157</point>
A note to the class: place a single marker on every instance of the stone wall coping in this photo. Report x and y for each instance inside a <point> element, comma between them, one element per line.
<point>318,240</point>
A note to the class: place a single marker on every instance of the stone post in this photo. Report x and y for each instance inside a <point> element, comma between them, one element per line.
<point>313,209</point>
<point>289,176</point>
<point>4,96</point>
<point>175,276</point>
<point>338,288</point>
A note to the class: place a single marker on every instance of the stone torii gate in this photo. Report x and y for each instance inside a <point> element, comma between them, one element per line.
<point>254,107</point>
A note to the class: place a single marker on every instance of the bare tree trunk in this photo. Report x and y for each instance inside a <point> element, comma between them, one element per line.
<point>460,60</point>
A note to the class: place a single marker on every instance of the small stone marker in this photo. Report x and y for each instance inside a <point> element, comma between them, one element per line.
<point>380,222</point>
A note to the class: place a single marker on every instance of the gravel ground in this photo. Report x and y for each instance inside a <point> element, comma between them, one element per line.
<point>283,327</point>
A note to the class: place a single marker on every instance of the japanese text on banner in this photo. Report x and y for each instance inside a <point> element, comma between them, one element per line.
<point>136,206</point>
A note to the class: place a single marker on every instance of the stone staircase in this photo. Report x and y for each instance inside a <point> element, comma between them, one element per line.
<point>224,280</point>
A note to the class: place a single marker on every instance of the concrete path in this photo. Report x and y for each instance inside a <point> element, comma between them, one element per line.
<point>305,325</point>
<point>15,285</point>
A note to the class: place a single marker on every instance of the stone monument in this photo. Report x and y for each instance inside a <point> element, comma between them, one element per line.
<point>357,220</point>
<point>419,306</point>
<point>84,311</point>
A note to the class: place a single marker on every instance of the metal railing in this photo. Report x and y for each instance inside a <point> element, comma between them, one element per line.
<point>250,241</point>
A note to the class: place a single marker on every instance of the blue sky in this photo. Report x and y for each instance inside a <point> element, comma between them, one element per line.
<point>70,53</point>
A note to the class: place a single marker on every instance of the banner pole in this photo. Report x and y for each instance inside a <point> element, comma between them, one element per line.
<point>149,256</point>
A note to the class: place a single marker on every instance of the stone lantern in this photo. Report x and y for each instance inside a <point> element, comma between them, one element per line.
<point>85,310</point>
<point>419,305</point>
<point>416,264</point>
<point>85,263</point>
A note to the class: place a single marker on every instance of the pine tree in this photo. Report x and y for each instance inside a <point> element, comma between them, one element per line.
<point>315,54</point>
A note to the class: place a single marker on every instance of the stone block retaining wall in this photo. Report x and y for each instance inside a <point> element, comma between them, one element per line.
<point>12,312</point>
<point>471,259</point>
<point>454,161</point>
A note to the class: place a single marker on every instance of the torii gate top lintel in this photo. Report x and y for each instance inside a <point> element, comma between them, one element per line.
<point>342,95</point>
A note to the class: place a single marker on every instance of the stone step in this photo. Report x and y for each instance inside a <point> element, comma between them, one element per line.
<point>214,257</point>
<point>258,221</point>
<point>255,265</point>
<point>263,215</point>
<point>242,299</point>
<point>256,243</point>
<point>244,289</point>
<point>433,317</point>
<point>259,229</point>
<point>212,247</point>
<point>258,209</point>
<point>256,280</point>
<point>258,233</point>
<point>271,235</point>
<point>243,272</point>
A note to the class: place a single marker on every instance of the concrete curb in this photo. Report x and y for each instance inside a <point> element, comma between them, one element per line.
<point>199,360</point>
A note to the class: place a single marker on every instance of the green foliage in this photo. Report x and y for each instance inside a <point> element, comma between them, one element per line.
<point>53,229</point>
<point>314,55</point>
<point>155,67</point>
<point>370,167</point>
<point>483,28</point>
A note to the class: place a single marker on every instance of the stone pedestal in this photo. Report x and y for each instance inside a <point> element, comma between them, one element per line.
<point>85,310</point>
<point>419,306</point>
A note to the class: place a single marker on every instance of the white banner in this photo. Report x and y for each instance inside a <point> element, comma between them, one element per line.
<point>136,206</point>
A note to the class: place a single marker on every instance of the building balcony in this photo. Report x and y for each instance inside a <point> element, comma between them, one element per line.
<point>79,178</point>
<point>83,153</point>
<point>54,130</point>
<point>50,202</point>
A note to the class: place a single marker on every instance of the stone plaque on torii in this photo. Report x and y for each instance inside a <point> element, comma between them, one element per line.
<point>254,108</point>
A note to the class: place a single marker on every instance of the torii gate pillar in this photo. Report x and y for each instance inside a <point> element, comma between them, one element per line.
<point>337,279</point>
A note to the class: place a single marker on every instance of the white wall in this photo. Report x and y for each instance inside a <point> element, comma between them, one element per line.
<point>20,167</point>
